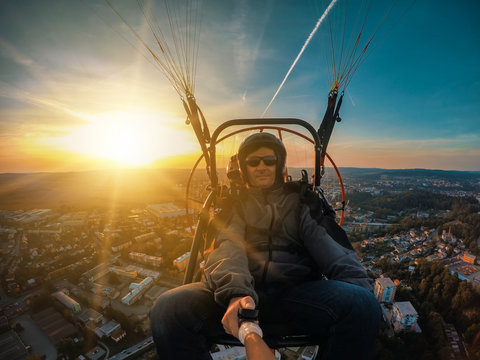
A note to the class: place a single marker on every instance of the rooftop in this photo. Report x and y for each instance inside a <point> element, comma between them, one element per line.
<point>405,307</point>
<point>11,347</point>
<point>385,282</point>
<point>54,325</point>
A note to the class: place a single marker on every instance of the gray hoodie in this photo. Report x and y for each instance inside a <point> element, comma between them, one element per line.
<point>271,240</point>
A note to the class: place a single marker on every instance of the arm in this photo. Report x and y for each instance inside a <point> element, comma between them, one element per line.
<point>333,260</point>
<point>255,346</point>
<point>257,349</point>
<point>226,270</point>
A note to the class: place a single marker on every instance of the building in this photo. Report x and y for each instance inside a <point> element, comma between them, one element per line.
<point>122,246</point>
<point>469,258</point>
<point>136,290</point>
<point>121,272</point>
<point>90,315</point>
<point>67,301</point>
<point>146,259</point>
<point>143,271</point>
<point>145,237</point>
<point>57,273</point>
<point>111,329</point>
<point>118,335</point>
<point>96,353</point>
<point>166,210</point>
<point>404,317</point>
<point>181,262</point>
<point>135,350</point>
<point>97,272</point>
<point>385,290</point>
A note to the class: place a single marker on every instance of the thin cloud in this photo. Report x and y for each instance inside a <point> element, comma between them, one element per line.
<point>15,55</point>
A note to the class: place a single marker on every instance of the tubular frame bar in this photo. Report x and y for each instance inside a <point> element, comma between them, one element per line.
<point>197,239</point>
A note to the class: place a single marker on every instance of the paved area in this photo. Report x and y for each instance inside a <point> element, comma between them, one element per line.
<point>34,336</point>
<point>136,309</point>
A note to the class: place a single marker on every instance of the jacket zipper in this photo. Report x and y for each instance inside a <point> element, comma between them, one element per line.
<point>267,263</point>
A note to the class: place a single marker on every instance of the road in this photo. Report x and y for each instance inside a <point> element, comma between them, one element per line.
<point>106,349</point>
<point>34,336</point>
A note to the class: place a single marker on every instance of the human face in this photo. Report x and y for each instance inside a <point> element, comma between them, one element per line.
<point>261,176</point>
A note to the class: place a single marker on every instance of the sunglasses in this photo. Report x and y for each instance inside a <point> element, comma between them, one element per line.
<point>268,160</point>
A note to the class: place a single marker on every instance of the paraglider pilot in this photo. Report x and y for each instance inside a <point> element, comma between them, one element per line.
<point>274,254</point>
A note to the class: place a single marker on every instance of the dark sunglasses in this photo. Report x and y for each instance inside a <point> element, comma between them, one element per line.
<point>268,160</point>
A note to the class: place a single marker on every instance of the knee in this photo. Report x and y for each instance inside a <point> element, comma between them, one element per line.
<point>159,308</point>
<point>367,306</point>
<point>167,306</point>
<point>181,306</point>
<point>158,313</point>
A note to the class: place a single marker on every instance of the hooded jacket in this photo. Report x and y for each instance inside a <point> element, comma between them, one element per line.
<point>272,240</point>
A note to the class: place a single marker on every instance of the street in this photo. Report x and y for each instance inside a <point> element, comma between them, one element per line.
<point>34,336</point>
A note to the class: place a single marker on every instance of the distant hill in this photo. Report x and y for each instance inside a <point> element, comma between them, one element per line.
<point>91,188</point>
<point>138,187</point>
<point>422,173</point>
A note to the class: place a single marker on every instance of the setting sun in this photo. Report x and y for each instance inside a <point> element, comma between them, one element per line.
<point>134,138</point>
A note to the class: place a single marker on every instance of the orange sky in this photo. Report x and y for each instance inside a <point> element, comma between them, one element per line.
<point>74,95</point>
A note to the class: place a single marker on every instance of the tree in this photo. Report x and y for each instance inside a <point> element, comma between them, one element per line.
<point>464,297</point>
<point>67,346</point>
<point>435,322</point>
<point>41,302</point>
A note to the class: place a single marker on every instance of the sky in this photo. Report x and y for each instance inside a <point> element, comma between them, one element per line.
<point>77,91</point>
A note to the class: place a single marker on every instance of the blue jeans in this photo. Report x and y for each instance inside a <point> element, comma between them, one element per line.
<point>346,316</point>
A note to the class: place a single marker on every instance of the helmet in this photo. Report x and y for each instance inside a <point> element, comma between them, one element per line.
<point>255,142</point>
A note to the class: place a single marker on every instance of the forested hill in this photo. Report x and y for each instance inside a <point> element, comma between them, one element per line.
<point>417,173</point>
<point>411,199</point>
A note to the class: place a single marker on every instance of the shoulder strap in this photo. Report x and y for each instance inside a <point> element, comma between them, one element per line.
<point>320,210</point>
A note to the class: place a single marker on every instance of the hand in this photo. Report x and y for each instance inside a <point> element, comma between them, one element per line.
<point>230,319</point>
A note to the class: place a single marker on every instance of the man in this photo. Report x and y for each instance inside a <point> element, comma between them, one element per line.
<point>274,254</point>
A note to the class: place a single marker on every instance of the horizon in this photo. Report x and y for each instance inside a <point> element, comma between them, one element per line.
<point>75,95</point>
<point>119,169</point>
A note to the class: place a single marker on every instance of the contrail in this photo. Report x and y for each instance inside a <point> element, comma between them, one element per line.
<point>324,15</point>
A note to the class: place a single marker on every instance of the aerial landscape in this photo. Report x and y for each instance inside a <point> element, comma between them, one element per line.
<point>118,163</point>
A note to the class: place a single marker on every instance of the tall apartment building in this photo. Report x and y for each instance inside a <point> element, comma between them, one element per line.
<point>404,317</point>
<point>385,290</point>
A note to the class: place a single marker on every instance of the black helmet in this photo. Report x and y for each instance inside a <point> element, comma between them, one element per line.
<point>255,142</point>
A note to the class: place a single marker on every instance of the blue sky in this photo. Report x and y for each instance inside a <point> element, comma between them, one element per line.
<point>67,75</point>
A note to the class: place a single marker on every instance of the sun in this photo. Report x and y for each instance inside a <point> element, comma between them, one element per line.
<point>132,138</point>
<point>125,143</point>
